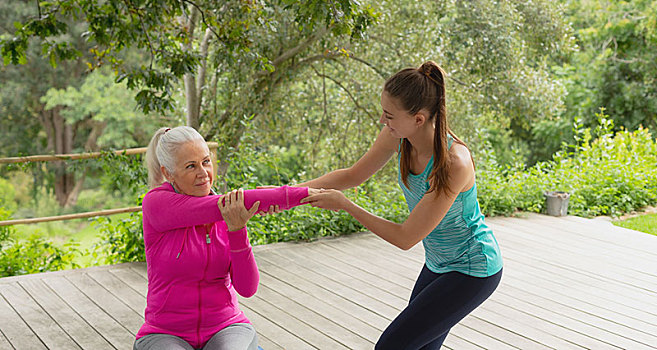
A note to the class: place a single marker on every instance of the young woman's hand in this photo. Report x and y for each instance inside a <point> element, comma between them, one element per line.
<point>231,206</point>
<point>326,199</point>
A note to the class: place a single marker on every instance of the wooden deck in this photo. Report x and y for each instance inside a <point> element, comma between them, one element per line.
<point>569,283</point>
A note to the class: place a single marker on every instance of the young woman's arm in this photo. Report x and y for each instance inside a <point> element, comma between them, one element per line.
<point>374,159</point>
<point>428,213</point>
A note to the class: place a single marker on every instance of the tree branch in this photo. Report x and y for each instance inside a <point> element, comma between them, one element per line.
<point>378,71</point>
<point>97,128</point>
<point>351,96</point>
<point>295,50</point>
<point>131,8</point>
<point>202,17</point>
<point>462,83</point>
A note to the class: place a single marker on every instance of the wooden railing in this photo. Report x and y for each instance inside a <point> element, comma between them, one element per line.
<point>63,157</point>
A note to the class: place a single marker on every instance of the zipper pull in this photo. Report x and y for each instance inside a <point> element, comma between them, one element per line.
<point>207,238</point>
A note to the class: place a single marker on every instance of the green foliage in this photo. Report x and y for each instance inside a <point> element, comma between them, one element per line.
<point>100,100</point>
<point>307,223</point>
<point>497,55</point>
<point>606,173</point>
<point>121,241</point>
<point>5,231</point>
<point>645,223</point>
<point>124,173</point>
<point>251,168</point>
<point>161,28</point>
<point>615,66</point>
<point>35,255</point>
<point>7,195</point>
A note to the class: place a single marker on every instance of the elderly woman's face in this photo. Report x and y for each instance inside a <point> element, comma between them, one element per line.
<point>193,174</point>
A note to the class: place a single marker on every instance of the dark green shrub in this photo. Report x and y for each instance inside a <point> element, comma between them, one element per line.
<point>36,255</point>
<point>306,222</point>
<point>121,240</point>
<point>610,174</point>
<point>33,255</point>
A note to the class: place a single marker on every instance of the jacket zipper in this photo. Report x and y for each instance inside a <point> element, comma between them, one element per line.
<point>205,270</point>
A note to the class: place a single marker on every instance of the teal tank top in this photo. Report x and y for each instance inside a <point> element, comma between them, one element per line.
<point>462,241</point>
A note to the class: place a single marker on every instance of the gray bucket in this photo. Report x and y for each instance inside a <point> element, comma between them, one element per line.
<point>556,202</point>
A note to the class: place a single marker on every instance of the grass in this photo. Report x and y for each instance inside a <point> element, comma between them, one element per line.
<point>644,223</point>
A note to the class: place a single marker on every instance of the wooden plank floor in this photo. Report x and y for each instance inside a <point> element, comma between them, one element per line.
<point>569,283</point>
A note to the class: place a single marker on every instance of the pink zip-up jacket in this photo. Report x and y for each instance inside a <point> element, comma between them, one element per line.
<point>195,265</point>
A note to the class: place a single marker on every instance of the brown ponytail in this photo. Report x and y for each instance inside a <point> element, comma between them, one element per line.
<point>424,89</point>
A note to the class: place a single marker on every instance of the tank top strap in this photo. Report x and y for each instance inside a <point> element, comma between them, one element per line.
<point>450,140</point>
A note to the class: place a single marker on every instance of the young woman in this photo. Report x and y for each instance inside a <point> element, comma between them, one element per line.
<point>197,249</point>
<point>463,265</point>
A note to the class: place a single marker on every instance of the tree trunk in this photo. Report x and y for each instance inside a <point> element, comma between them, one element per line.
<point>191,91</point>
<point>61,139</point>
<point>61,136</point>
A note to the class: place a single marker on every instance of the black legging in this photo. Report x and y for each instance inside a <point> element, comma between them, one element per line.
<point>438,302</point>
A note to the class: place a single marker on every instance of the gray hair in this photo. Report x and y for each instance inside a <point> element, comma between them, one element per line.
<point>161,151</point>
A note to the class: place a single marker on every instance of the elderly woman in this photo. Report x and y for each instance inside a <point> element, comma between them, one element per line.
<point>197,249</point>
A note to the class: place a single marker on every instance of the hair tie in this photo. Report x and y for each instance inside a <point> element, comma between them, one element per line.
<point>165,131</point>
<point>427,73</point>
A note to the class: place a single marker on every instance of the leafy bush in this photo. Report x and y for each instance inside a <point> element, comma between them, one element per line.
<point>306,222</point>
<point>7,195</point>
<point>605,173</point>
<point>251,168</point>
<point>124,173</point>
<point>122,240</point>
<point>36,255</point>
<point>5,231</point>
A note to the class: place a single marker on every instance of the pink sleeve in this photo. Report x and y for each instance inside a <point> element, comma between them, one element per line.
<point>243,269</point>
<point>286,197</point>
<point>167,210</point>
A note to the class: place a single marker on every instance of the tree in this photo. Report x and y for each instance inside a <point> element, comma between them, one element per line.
<point>615,65</point>
<point>231,55</point>
<point>65,108</point>
<point>27,120</point>
<point>498,57</point>
<point>103,115</point>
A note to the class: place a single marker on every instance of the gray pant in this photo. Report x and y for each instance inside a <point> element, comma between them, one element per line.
<point>237,336</point>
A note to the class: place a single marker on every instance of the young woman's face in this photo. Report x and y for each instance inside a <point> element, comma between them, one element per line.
<point>193,174</point>
<point>399,121</point>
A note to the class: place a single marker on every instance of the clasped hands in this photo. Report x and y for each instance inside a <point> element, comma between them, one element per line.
<point>232,208</point>
<point>320,198</point>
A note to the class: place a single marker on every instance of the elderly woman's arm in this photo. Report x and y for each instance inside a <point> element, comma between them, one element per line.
<point>166,210</point>
<point>243,269</point>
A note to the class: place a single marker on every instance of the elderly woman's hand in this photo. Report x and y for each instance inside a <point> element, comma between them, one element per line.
<point>232,209</point>
<point>273,209</point>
